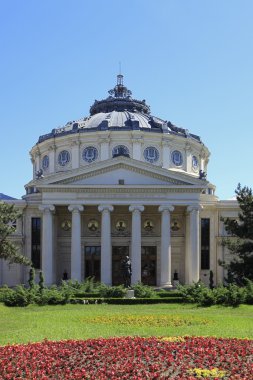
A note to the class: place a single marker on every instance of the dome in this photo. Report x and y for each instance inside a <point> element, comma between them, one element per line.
<point>119,111</point>
<point>119,125</point>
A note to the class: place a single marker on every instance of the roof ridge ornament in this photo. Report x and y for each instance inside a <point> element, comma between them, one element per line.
<point>120,91</point>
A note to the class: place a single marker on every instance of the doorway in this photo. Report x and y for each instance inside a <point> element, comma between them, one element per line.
<point>118,253</point>
<point>92,262</point>
<point>148,265</point>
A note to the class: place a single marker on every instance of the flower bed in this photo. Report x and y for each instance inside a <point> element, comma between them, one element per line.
<point>129,358</point>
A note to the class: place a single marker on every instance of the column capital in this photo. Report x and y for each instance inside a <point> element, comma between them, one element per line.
<point>102,208</point>
<point>165,207</point>
<point>73,208</point>
<point>46,208</point>
<point>194,208</point>
<point>133,208</point>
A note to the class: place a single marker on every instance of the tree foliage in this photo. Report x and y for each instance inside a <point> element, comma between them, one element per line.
<point>240,242</point>
<point>8,250</point>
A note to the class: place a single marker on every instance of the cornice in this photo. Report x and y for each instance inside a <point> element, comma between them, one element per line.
<point>119,189</point>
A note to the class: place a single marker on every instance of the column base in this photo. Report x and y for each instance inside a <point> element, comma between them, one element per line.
<point>166,285</point>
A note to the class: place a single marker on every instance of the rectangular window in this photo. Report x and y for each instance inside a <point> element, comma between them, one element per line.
<point>205,243</point>
<point>36,239</point>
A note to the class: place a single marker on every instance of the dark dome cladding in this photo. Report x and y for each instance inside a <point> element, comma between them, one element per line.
<point>119,100</point>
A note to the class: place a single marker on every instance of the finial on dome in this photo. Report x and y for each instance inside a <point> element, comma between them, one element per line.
<point>120,91</point>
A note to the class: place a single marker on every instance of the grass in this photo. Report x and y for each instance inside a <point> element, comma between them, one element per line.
<point>35,323</point>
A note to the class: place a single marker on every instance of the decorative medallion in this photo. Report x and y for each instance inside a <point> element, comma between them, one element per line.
<point>175,225</point>
<point>66,225</point>
<point>63,158</point>
<point>148,225</point>
<point>195,163</point>
<point>93,225</point>
<point>151,154</point>
<point>45,162</point>
<point>90,154</point>
<point>177,158</point>
<point>120,225</point>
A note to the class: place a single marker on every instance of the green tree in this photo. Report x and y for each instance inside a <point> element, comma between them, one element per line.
<point>8,250</point>
<point>240,242</point>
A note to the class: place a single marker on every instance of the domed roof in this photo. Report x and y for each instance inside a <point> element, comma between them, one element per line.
<point>119,111</point>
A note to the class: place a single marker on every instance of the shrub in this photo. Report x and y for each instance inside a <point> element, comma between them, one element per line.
<point>31,280</point>
<point>206,297</point>
<point>143,291</point>
<point>52,296</point>
<point>17,297</point>
<point>112,291</point>
<point>236,295</point>
<point>3,290</point>
<point>191,293</point>
<point>221,295</point>
<point>248,291</point>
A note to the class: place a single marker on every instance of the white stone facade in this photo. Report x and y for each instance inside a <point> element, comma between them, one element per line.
<point>120,183</point>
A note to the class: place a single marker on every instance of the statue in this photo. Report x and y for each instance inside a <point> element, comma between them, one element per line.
<point>39,174</point>
<point>126,269</point>
<point>202,175</point>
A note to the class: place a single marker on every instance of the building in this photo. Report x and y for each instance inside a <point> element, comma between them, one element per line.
<point>120,182</point>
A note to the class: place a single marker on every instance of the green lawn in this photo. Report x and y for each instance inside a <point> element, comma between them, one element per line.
<point>35,323</point>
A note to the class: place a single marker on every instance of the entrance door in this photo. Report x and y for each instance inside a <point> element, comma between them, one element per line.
<point>148,265</point>
<point>92,262</point>
<point>118,253</point>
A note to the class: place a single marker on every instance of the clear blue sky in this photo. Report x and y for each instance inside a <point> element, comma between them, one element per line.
<point>191,60</point>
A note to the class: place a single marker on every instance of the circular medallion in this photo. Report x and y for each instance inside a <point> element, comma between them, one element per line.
<point>66,225</point>
<point>93,225</point>
<point>90,154</point>
<point>120,225</point>
<point>177,158</point>
<point>148,225</point>
<point>151,154</point>
<point>175,225</point>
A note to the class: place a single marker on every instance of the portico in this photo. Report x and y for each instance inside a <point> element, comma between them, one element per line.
<point>122,229</point>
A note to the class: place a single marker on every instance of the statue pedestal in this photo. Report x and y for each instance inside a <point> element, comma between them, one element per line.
<point>130,293</point>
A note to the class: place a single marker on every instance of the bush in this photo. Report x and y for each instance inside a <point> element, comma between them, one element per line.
<point>236,295</point>
<point>143,291</point>
<point>206,297</point>
<point>3,290</point>
<point>249,292</point>
<point>17,297</point>
<point>191,293</point>
<point>112,291</point>
<point>52,296</point>
<point>221,295</point>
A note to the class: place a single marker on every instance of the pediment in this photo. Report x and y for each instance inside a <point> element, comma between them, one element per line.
<point>123,171</point>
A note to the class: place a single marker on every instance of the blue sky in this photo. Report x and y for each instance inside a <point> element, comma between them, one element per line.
<point>191,60</point>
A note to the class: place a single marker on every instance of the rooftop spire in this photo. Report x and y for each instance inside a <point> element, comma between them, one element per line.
<point>120,91</point>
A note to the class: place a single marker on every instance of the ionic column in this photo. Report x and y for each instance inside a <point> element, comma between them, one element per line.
<point>47,243</point>
<point>193,250</point>
<point>76,253</point>
<point>106,244</point>
<point>136,242</point>
<point>165,279</point>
